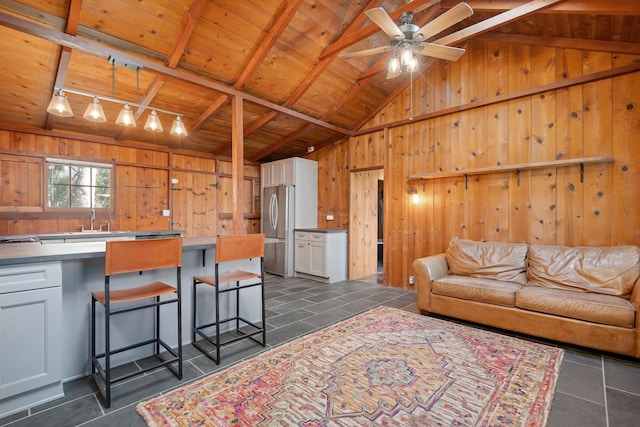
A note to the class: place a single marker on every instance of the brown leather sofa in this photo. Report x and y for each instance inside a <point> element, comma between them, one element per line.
<point>588,296</point>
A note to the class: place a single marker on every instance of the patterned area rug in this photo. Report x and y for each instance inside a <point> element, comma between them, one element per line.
<point>384,367</point>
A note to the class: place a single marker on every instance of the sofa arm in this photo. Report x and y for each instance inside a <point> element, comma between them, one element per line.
<point>428,269</point>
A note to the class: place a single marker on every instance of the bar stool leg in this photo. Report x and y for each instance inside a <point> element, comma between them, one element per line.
<point>107,351</point>
<point>193,311</point>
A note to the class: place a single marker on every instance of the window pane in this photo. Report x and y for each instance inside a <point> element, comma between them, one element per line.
<point>59,196</point>
<point>58,174</point>
<point>78,186</point>
<point>101,197</point>
<point>80,197</point>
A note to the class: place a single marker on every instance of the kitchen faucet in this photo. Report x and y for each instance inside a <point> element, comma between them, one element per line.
<point>93,217</point>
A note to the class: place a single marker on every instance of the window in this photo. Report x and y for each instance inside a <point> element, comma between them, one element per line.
<point>78,184</point>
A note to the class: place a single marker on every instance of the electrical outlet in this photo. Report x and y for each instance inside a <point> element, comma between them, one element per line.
<point>166,212</point>
<point>411,280</point>
<point>329,217</point>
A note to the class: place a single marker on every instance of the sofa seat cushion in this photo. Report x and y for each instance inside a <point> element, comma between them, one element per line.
<point>477,289</point>
<point>604,270</point>
<point>605,309</point>
<point>488,260</point>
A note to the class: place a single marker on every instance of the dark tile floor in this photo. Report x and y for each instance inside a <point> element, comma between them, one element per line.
<point>593,389</point>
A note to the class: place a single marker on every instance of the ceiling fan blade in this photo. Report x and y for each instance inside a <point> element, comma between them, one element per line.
<point>444,21</point>
<point>384,21</point>
<point>439,51</point>
<point>366,52</point>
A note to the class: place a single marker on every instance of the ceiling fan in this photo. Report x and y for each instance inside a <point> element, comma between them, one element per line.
<point>407,38</point>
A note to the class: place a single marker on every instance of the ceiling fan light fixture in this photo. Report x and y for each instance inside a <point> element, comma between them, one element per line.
<point>153,123</point>
<point>59,105</point>
<point>178,129</point>
<point>126,118</point>
<point>412,66</point>
<point>94,112</point>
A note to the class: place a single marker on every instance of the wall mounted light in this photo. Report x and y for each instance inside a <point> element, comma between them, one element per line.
<point>413,192</point>
<point>59,105</point>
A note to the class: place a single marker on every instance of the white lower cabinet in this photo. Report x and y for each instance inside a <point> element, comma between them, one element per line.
<point>321,255</point>
<point>30,335</point>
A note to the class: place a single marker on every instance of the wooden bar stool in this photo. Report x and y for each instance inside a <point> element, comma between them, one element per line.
<point>129,256</point>
<point>232,248</point>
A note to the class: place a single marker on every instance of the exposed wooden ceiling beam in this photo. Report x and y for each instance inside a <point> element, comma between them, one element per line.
<point>250,69</point>
<point>568,43</point>
<point>304,85</point>
<point>65,53</point>
<point>497,21</point>
<point>184,34</point>
<point>284,141</point>
<point>597,7</point>
<point>104,52</point>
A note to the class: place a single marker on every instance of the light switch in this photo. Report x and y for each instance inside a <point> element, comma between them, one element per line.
<point>166,212</point>
<point>329,217</point>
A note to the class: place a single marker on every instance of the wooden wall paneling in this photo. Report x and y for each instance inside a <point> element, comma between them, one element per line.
<point>569,143</point>
<point>459,81</point>
<point>21,187</point>
<point>333,179</point>
<point>22,142</point>
<point>626,151</point>
<point>520,144</point>
<point>459,151</point>
<point>179,197</point>
<point>477,190</point>
<point>48,145</point>
<point>204,204</point>
<point>224,194</point>
<point>441,188</point>
<point>498,184</point>
<point>598,140</point>
<point>127,206</point>
<point>477,71</point>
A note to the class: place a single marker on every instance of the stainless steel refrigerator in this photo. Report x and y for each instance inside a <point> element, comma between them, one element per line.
<point>277,225</point>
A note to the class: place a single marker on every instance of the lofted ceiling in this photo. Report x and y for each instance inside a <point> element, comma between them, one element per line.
<point>279,57</point>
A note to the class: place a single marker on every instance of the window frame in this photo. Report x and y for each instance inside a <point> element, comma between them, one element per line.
<point>71,163</point>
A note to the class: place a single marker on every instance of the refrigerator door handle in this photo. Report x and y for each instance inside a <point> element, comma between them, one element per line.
<point>274,211</point>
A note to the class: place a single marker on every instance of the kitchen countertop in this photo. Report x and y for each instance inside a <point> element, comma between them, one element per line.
<point>30,252</point>
<point>321,230</point>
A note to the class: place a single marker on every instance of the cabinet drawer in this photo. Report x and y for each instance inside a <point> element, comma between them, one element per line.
<point>317,237</point>
<point>26,277</point>
<point>301,235</point>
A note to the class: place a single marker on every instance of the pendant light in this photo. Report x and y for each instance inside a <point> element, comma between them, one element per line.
<point>94,112</point>
<point>59,105</point>
<point>126,118</point>
<point>178,128</point>
<point>153,123</point>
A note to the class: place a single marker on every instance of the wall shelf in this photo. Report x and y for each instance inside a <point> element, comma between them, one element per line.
<point>525,166</point>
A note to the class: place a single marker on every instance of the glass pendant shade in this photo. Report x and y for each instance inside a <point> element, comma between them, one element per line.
<point>126,118</point>
<point>406,56</point>
<point>59,105</point>
<point>394,65</point>
<point>178,128</point>
<point>153,122</point>
<point>412,66</point>
<point>94,112</point>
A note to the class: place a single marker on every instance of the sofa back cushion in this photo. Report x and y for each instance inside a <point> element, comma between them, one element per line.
<point>604,270</point>
<point>488,260</point>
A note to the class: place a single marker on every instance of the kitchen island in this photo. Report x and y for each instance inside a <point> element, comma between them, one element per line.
<point>45,316</point>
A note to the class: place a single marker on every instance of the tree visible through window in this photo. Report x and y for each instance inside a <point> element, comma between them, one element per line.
<point>78,185</point>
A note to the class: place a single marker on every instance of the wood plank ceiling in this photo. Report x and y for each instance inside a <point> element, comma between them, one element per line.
<point>280,56</point>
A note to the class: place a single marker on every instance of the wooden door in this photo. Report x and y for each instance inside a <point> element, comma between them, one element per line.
<point>363,223</point>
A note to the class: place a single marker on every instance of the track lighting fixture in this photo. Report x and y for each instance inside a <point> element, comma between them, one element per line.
<point>59,105</point>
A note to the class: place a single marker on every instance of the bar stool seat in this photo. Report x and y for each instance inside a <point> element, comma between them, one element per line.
<point>130,256</point>
<point>231,248</point>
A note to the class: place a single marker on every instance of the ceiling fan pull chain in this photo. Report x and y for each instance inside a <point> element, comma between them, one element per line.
<point>411,95</point>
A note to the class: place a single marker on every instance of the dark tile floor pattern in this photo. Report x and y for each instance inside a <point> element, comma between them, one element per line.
<point>593,389</point>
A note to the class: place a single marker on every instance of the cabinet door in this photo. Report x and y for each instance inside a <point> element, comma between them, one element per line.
<point>318,259</point>
<point>29,340</point>
<point>302,256</point>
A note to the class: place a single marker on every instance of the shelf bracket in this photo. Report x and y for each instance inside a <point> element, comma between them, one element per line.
<point>466,181</point>
<point>518,175</point>
<point>581,173</point>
